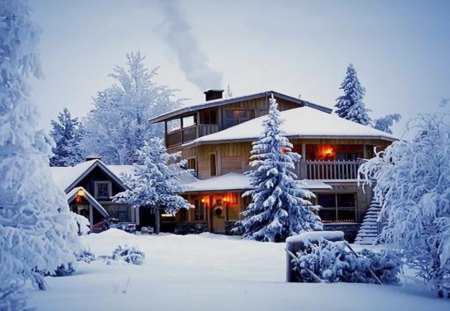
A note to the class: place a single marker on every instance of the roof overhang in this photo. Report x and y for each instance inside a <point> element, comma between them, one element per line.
<point>185,111</point>
<point>235,182</point>
<point>199,142</point>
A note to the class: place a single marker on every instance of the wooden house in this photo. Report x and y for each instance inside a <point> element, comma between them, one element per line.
<point>89,188</point>
<point>215,138</point>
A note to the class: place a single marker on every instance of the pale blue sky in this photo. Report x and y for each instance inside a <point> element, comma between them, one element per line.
<point>400,49</point>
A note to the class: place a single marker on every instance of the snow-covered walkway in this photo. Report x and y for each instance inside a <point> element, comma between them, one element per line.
<point>210,272</point>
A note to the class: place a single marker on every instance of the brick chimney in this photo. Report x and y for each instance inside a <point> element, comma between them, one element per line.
<point>213,94</point>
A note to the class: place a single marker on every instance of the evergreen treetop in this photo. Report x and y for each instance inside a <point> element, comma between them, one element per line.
<point>350,106</point>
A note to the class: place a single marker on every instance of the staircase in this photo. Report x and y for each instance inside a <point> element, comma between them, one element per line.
<point>368,232</point>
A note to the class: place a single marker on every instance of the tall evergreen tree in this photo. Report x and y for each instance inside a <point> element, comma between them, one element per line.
<point>66,132</point>
<point>350,106</point>
<point>280,206</point>
<point>155,183</point>
<point>37,231</point>
<point>118,125</point>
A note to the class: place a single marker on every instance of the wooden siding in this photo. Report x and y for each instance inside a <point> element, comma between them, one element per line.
<point>234,157</point>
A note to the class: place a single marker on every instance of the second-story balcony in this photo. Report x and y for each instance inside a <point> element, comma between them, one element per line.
<point>181,136</point>
<point>328,170</point>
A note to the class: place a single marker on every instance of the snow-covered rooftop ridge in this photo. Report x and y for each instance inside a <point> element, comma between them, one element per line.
<point>302,122</point>
<point>230,100</point>
<point>237,181</point>
<point>65,177</point>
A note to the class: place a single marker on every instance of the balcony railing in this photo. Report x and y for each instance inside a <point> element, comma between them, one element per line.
<point>328,170</point>
<point>187,134</point>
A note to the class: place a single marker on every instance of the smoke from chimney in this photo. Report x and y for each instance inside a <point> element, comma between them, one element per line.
<point>192,60</point>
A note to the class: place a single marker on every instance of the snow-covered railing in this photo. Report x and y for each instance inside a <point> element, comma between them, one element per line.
<point>328,170</point>
<point>187,134</point>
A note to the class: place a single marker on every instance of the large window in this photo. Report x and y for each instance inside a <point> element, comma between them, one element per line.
<point>337,207</point>
<point>199,210</point>
<point>235,117</point>
<point>103,189</point>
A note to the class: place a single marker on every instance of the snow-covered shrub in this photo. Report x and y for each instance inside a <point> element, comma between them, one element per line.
<point>129,254</point>
<point>85,255</point>
<point>83,224</point>
<point>334,262</point>
<point>64,270</point>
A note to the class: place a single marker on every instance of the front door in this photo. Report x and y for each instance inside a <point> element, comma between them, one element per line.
<point>218,217</point>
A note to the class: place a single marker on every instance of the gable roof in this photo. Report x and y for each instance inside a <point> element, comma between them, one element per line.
<point>68,177</point>
<point>303,122</point>
<point>226,101</point>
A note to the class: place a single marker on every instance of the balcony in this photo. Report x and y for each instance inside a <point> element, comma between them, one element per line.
<point>187,134</point>
<point>328,170</point>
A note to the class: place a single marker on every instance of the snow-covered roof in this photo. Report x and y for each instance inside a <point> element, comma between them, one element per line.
<point>67,177</point>
<point>225,101</point>
<point>236,181</point>
<point>303,122</point>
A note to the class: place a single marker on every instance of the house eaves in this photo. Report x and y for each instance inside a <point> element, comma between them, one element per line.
<point>226,101</point>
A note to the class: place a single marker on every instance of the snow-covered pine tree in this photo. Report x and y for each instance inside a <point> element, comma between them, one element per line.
<point>412,184</point>
<point>280,206</point>
<point>385,123</point>
<point>66,132</point>
<point>155,182</point>
<point>37,231</point>
<point>350,106</point>
<point>118,125</point>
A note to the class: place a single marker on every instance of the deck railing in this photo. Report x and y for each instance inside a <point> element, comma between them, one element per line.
<point>187,134</point>
<point>328,170</point>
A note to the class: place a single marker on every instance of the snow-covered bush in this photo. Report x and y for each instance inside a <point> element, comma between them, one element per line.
<point>334,262</point>
<point>128,254</point>
<point>83,224</point>
<point>411,181</point>
<point>85,255</point>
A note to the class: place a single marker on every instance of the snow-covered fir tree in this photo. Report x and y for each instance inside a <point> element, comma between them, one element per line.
<point>280,205</point>
<point>350,106</point>
<point>67,134</point>
<point>37,231</point>
<point>412,184</point>
<point>385,123</point>
<point>118,125</point>
<point>155,182</point>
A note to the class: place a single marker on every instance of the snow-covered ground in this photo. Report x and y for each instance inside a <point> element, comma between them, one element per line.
<point>211,272</point>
